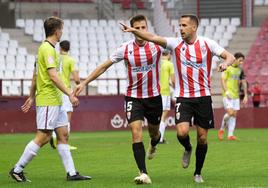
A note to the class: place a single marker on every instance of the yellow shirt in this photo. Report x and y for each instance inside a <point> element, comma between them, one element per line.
<point>68,65</point>
<point>167,69</point>
<point>232,76</point>
<point>47,94</point>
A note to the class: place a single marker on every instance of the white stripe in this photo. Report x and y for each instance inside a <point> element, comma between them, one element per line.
<point>131,59</point>
<point>143,60</point>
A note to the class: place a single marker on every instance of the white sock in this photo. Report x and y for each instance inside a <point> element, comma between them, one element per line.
<point>225,121</point>
<point>29,152</point>
<point>162,128</point>
<point>231,127</point>
<point>66,157</point>
<point>54,136</point>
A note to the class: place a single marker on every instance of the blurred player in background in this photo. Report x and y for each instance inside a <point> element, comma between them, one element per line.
<point>46,89</point>
<point>256,94</point>
<point>68,69</point>
<point>142,98</point>
<point>230,91</point>
<point>192,59</point>
<point>166,77</point>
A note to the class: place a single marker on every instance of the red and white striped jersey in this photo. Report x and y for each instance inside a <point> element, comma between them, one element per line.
<point>143,67</point>
<point>192,65</point>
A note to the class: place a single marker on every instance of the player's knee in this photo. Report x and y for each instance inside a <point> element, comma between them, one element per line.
<point>182,131</point>
<point>202,139</point>
<point>63,138</point>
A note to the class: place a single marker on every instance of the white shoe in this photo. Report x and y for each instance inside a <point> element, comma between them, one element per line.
<point>143,179</point>
<point>186,158</point>
<point>198,179</point>
<point>151,152</point>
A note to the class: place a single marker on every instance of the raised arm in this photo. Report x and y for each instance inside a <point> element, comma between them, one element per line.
<point>228,60</point>
<point>95,74</point>
<point>145,35</point>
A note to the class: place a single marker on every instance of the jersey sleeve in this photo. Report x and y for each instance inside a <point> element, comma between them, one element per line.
<point>214,47</point>
<point>50,58</point>
<point>118,54</point>
<point>242,75</point>
<point>73,66</point>
<point>172,42</point>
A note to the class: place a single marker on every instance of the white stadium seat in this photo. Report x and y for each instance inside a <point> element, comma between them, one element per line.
<point>20,23</point>
<point>235,21</point>
<point>225,21</point>
<point>215,21</point>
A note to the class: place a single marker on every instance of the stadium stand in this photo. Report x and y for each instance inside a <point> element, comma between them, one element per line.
<point>91,44</point>
<point>261,2</point>
<point>59,1</point>
<point>219,29</point>
<point>256,65</point>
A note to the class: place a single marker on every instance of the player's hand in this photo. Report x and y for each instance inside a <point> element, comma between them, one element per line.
<point>228,95</point>
<point>27,105</point>
<point>245,100</point>
<point>222,67</point>
<point>126,28</point>
<point>74,100</point>
<point>79,88</point>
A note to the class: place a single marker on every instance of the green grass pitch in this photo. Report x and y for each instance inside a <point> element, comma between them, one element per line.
<point>108,158</point>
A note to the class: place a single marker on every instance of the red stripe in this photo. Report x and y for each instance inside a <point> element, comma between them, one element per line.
<point>139,75</point>
<point>130,79</point>
<point>46,118</point>
<point>209,62</point>
<point>149,58</point>
<point>157,67</point>
<point>201,82</point>
<point>178,62</point>
<point>189,74</point>
<point>198,54</point>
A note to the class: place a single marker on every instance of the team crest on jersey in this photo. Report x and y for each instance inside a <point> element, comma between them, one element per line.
<point>153,49</point>
<point>50,60</point>
<point>128,115</point>
<point>203,49</point>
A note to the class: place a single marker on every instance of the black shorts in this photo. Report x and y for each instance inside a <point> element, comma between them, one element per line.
<point>199,108</point>
<point>137,109</point>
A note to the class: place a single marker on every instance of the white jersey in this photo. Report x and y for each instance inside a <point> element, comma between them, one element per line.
<point>142,68</point>
<point>192,65</point>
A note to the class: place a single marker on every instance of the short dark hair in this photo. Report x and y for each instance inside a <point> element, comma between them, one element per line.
<point>136,18</point>
<point>65,45</point>
<point>51,24</point>
<point>192,17</point>
<point>238,55</point>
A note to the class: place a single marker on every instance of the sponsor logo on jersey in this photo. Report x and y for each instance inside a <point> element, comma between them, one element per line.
<point>145,68</point>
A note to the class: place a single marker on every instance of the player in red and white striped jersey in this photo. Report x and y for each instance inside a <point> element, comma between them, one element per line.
<point>142,98</point>
<point>192,57</point>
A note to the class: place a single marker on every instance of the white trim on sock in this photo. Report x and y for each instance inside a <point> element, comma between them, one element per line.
<point>225,121</point>
<point>66,157</point>
<point>231,127</point>
<point>29,153</point>
<point>162,128</point>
